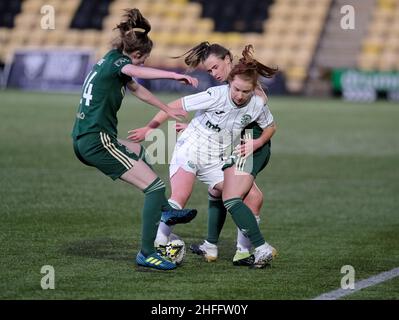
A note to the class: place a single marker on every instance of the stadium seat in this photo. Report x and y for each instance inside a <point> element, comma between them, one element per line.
<point>37,38</point>
<point>286,34</point>
<point>90,38</point>
<point>32,5</point>
<point>380,49</point>
<point>72,38</point>
<point>26,21</point>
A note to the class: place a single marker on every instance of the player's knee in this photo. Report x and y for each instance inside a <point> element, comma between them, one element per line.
<point>214,193</point>
<point>227,195</point>
<point>254,199</point>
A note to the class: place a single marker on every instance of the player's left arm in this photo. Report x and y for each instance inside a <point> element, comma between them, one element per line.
<point>153,73</point>
<point>145,95</point>
<point>250,145</point>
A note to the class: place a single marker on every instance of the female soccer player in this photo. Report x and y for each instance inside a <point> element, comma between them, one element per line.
<point>224,112</point>
<point>218,61</point>
<point>95,130</point>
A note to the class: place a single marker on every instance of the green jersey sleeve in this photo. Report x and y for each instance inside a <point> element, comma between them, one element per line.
<point>120,63</point>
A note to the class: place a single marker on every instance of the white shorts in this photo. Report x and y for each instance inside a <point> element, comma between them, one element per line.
<point>196,158</point>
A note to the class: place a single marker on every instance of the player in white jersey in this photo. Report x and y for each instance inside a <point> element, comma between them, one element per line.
<point>223,112</point>
<point>218,62</point>
<point>207,142</point>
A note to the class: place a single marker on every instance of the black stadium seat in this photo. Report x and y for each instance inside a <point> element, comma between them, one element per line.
<point>90,14</point>
<point>8,11</point>
<point>236,15</point>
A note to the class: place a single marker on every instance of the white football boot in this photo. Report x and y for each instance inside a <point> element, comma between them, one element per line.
<point>208,250</point>
<point>263,256</point>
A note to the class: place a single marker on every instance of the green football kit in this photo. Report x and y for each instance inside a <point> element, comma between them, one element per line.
<point>95,131</point>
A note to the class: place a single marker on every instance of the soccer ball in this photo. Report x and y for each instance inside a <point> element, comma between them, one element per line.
<point>176,250</point>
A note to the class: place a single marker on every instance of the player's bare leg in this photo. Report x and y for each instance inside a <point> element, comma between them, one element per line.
<point>182,183</point>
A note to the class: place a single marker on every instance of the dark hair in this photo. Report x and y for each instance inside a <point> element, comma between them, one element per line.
<point>201,52</point>
<point>133,33</point>
<point>250,69</point>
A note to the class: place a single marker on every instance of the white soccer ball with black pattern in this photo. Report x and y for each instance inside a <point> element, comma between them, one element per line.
<point>176,251</point>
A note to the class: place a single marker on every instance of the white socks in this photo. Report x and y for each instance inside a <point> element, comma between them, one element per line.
<point>243,242</point>
<point>164,230</point>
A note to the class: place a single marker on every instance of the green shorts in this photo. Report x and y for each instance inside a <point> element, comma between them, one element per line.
<point>104,152</point>
<point>253,164</point>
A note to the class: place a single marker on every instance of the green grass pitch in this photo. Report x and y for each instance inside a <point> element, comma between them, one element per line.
<point>331,199</point>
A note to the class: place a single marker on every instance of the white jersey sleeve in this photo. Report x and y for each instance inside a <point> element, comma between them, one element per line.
<point>202,101</point>
<point>265,117</point>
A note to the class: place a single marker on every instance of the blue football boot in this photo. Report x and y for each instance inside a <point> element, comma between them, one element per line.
<point>155,261</point>
<point>176,216</point>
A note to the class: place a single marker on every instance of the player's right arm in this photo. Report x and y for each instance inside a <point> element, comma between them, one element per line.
<point>139,134</point>
<point>199,101</point>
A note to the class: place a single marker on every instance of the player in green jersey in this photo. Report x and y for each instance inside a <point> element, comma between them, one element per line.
<point>94,133</point>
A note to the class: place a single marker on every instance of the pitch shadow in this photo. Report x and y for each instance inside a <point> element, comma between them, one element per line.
<point>102,248</point>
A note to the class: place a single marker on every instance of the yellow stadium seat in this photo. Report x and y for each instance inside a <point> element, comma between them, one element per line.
<point>32,5</point>
<point>373,45</point>
<point>5,34</point>
<point>63,21</point>
<point>205,24</point>
<point>181,39</point>
<point>18,37</point>
<point>111,22</point>
<point>26,21</point>
<point>303,58</point>
<point>256,39</point>
<point>54,37</point>
<point>37,37</point>
<point>69,7</point>
<point>368,62</point>
<point>387,4</point>
<point>193,10</point>
<point>72,38</point>
<point>90,38</point>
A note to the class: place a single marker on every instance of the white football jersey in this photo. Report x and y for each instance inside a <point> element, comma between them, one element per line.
<point>218,122</point>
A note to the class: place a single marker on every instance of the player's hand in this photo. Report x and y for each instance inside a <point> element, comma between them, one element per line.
<point>183,78</point>
<point>179,126</point>
<point>246,148</point>
<point>138,135</point>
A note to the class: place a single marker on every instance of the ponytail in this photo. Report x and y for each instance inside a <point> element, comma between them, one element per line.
<point>202,51</point>
<point>133,33</point>
<point>250,69</point>
<point>248,59</point>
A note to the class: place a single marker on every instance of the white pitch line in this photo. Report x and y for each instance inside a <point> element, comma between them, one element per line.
<point>372,281</point>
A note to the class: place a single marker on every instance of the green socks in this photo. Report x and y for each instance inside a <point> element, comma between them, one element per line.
<point>216,218</point>
<point>154,202</point>
<point>245,220</point>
